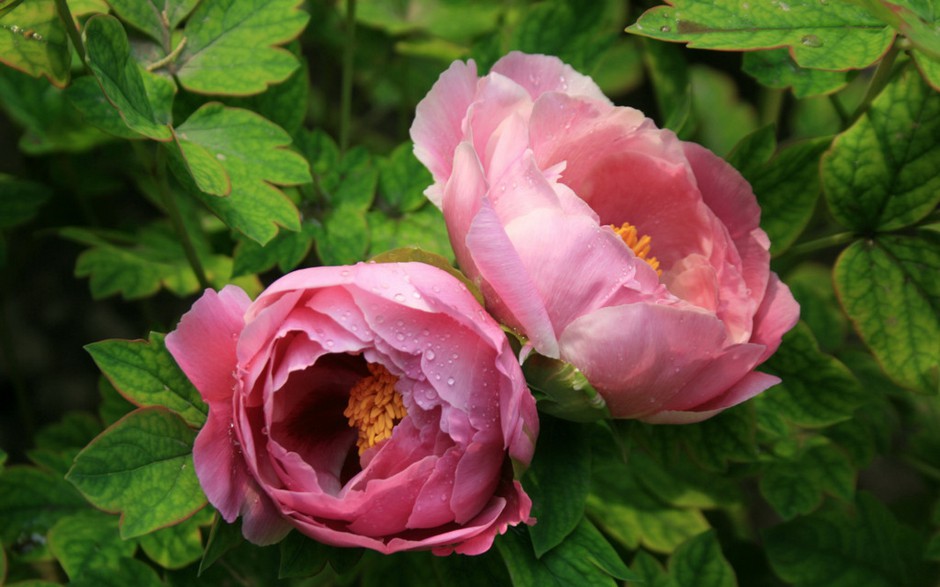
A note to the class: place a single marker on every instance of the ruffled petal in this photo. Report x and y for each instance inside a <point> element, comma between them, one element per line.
<point>540,74</point>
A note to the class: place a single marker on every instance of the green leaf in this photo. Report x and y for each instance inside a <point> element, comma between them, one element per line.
<point>222,538</point>
<point>930,69</point>
<point>753,151</point>
<point>558,481</point>
<point>684,485</point>
<point>287,250</point>
<point>32,501</point>
<point>113,406</point>
<point>20,200</point>
<point>632,515</point>
<point>141,466</point>
<point>460,20</point>
<point>721,118</point>
<point>88,540</point>
<point>285,104</point>
<point>251,151</point>
<point>34,41</point>
<point>344,236</point>
<point>787,189</point>
<point>127,572</point>
<point>148,15</point>
<point>424,229</point>
<point>651,573</point>
<point>811,285</point>
<point>146,374</point>
<point>805,371</point>
<point>402,180</point>
<point>231,46</point>
<point>889,288</point>
<point>584,558</point>
<point>672,84</point>
<point>776,69</point>
<point>177,546</point>
<point>471,571</point>
<point>795,486</point>
<point>699,562</point>
<point>831,549</point>
<point>74,430</point>
<point>884,172</point>
<point>831,35</point>
<point>915,19</point>
<point>119,75</point>
<point>353,182</point>
<point>301,557</point>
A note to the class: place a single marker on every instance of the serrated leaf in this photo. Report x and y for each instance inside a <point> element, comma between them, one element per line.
<point>285,104</point>
<point>142,467</point>
<point>795,486</point>
<point>884,172</point>
<point>353,182</point>
<point>811,285</point>
<point>402,180</point>
<point>231,46</point>
<point>831,35</point>
<point>20,200</point>
<point>816,389</point>
<point>32,501</point>
<point>88,540</point>
<point>424,229</point>
<point>699,562</point>
<point>177,546</point>
<point>155,18</point>
<point>252,152</point>
<point>890,289</point>
<point>146,374</point>
<point>776,69</point>
<point>787,189</point>
<point>916,20</point>
<point>287,250</point>
<point>108,55</point>
<point>832,549</point>
<point>113,406</point>
<point>576,32</point>
<point>558,481</point>
<point>344,237</point>
<point>85,95</point>
<point>127,571</point>
<point>34,41</point>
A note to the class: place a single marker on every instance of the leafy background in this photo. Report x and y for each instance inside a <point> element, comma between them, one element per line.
<point>150,149</point>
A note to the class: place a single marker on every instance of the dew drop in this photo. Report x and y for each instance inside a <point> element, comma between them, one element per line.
<point>665,28</point>
<point>429,355</point>
<point>416,295</point>
<point>400,336</point>
<point>399,297</point>
<point>220,156</point>
<point>811,41</point>
<point>344,272</point>
<point>329,344</point>
<point>14,28</point>
<point>450,381</point>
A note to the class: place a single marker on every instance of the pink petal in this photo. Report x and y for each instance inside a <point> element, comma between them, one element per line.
<point>539,74</point>
<point>724,190</point>
<point>750,385</point>
<point>778,313</point>
<point>204,342</point>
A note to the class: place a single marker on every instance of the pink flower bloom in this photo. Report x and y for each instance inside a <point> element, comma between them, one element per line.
<point>376,405</point>
<point>549,192</point>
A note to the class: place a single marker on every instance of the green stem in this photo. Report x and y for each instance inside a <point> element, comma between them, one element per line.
<point>176,219</point>
<point>840,111</point>
<point>66,16</point>
<point>770,105</point>
<point>348,62</point>
<point>878,82</point>
<point>825,242</point>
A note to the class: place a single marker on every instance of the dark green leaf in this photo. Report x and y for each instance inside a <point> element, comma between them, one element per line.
<point>672,84</point>
<point>753,151</point>
<point>817,390</point>
<point>344,236</point>
<point>113,406</point>
<point>471,571</point>
<point>179,545</point>
<point>811,285</point>
<point>884,172</point>
<point>699,562</point>
<point>576,32</point>
<point>683,484</point>
<point>120,77</point>
<point>890,289</point>
<point>141,466</point>
<point>651,573</point>
<point>251,151</point>
<point>156,19</point>
<point>832,549</point>
<point>284,104</point>
<point>776,69</point>
<point>231,46</point>
<point>830,35</point>
<point>146,374</point>
<point>222,538</point>
<point>402,180</point>
<point>558,482</point>
<point>32,501</point>
<point>287,250</point>
<point>20,200</point>
<point>301,557</point>
<point>795,486</point>
<point>33,40</point>
<point>75,430</point>
<point>88,540</point>
<point>424,229</point>
<point>127,572</point>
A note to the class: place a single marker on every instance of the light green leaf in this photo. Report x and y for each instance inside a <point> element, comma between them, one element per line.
<point>805,371</point>
<point>684,485</point>
<point>287,250</point>
<point>402,180</point>
<point>88,540</point>
<point>915,19</point>
<point>146,374</point>
<point>672,84</point>
<point>353,182</point>
<point>156,18</point>
<point>20,200</point>
<point>32,501</point>
<point>179,545</point>
<point>795,485</point>
<point>811,285</point>
<point>753,151</point>
<point>776,69</point>
<point>424,229</point>
<point>344,237</point>
<point>231,46</point>
<point>721,118</point>
<point>119,75</point>
<point>558,481</point>
<point>251,151</point>
<point>128,571</point>
<point>884,172</point>
<point>584,558</point>
<point>889,288</point>
<point>830,35</point>
<point>699,562</point>
<point>285,104</point>
<point>787,189</point>
<point>97,110</point>
<point>141,466</point>
<point>34,41</point>
<point>832,549</point>
<point>930,69</point>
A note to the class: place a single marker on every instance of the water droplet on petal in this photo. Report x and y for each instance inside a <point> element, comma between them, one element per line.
<point>450,381</point>
<point>429,355</point>
<point>399,297</point>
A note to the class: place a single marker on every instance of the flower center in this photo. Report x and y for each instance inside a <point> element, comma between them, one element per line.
<point>640,245</point>
<point>374,407</point>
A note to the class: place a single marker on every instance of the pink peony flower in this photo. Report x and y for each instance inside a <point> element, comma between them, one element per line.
<point>611,244</point>
<point>376,405</point>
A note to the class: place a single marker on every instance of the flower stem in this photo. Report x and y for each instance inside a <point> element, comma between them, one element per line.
<point>877,83</point>
<point>348,62</point>
<point>825,242</point>
<point>65,15</point>
<point>176,219</point>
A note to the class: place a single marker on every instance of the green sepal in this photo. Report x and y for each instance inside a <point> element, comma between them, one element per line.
<point>563,391</point>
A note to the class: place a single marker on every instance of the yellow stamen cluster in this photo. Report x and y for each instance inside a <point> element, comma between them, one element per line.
<point>374,407</point>
<point>640,245</point>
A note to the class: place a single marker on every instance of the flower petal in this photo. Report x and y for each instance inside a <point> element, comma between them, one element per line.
<point>539,74</point>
